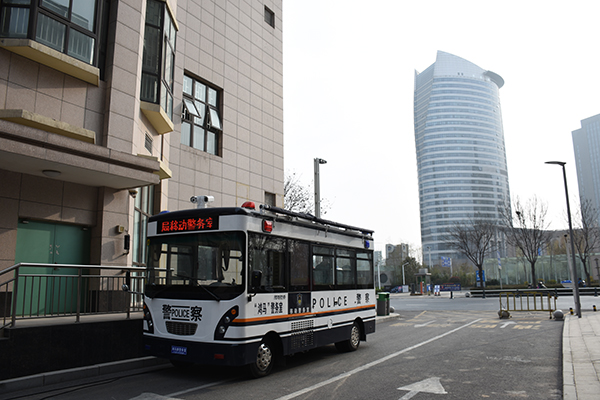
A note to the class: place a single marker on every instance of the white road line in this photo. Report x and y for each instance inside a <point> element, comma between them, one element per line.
<point>425,324</point>
<point>371,364</point>
<point>207,385</point>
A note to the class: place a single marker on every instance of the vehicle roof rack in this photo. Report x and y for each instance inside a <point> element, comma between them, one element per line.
<point>312,218</point>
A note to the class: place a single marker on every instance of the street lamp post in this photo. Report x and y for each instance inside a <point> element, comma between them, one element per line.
<point>406,263</point>
<point>574,268</point>
<point>318,161</point>
<point>429,251</point>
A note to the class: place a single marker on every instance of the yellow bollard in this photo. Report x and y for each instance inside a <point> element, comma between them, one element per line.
<point>594,307</point>
<point>571,309</point>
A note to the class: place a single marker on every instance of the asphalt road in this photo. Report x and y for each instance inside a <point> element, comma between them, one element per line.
<point>459,351</point>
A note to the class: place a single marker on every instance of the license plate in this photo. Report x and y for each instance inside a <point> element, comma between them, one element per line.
<point>179,350</point>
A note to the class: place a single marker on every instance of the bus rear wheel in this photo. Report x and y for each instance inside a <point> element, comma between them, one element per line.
<point>265,357</point>
<point>353,342</point>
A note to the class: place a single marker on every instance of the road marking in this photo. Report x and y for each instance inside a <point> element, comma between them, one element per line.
<point>430,385</point>
<point>485,326</point>
<point>504,325</point>
<point>372,363</point>
<point>425,324</point>
<point>207,385</point>
<point>173,396</point>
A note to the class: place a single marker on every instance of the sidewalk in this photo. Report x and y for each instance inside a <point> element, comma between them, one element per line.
<point>581,356</point>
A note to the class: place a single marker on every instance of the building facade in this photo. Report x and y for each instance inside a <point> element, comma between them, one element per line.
<point>111,111</point>
<point>461,158</point>
<point>395,254</point>
<point>586,145</point>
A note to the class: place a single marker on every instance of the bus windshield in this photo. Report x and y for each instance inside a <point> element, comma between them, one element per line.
<point>200,266</point>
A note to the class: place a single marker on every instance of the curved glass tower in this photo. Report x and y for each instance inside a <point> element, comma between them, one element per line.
<point>461,159</point>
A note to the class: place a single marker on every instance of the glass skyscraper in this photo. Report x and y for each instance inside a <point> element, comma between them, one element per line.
<point>586,145</point>
<point>461,159</point>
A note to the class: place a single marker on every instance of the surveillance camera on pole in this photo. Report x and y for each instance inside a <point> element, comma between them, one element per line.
<point>202,201</point>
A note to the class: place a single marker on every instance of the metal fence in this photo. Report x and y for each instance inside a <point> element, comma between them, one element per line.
<point>31,290</point>
<point>527,301</point>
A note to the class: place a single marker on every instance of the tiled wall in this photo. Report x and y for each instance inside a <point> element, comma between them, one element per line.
<point>231,46</point>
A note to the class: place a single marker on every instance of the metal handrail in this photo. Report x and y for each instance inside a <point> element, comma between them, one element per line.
<point>53,295</point>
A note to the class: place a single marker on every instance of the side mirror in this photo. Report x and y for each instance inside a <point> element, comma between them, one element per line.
<point>255,280</point>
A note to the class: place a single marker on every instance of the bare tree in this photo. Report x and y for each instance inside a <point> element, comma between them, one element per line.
<point>586,235</point>
<point>473,239</point>
<point>527,230</point>
<point>297,197</point>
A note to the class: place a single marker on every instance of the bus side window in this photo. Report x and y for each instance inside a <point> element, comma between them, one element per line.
<point>323,267</point>
<point>364,263</point>
<point>345,269</point>
<point>267,255</point>
<point>299,266</point>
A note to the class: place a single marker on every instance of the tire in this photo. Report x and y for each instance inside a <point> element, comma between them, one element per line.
<point>353,342</point>
<point>265,358</point>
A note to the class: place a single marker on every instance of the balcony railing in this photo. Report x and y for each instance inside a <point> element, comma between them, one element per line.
<point>29,290</point>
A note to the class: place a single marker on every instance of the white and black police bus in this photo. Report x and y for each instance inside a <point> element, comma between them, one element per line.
<point>237,286</point>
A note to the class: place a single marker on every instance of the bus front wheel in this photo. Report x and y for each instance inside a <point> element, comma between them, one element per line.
<point>265,357</point>
<point>353,342</point>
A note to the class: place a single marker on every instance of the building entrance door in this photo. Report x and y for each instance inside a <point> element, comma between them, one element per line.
<point>48,243</point>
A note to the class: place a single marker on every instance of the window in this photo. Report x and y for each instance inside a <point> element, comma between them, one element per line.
<point>148,142</point>
<point>364,264</point>
<point>201,124</point>
<point>159,57</point>
<point>299,266</point>
<point>339,268</point>
<point>267,255</point>
<point>345,268</point>
<point>269,17</point>
<point>323,268</point>
<point>68,26</point>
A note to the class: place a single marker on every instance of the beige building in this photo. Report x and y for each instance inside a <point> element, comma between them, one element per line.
<point>111,111</point>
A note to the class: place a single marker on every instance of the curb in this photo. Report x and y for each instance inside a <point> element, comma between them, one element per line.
<point>569,390</point>
<point>92,371</point>
<point>379,318</point>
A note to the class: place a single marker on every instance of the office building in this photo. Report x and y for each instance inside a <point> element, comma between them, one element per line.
<point>111,111</point>
<point>586,145</point>
<point>461,159</point>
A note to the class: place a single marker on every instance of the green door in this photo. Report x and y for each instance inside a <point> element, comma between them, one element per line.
<point>41,242</point>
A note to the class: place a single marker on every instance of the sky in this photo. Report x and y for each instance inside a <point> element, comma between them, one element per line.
<point>348,97</point>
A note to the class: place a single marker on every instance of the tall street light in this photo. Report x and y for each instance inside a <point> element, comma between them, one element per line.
<point>406,263</point>
<point>318,161</point>
<point>573,268</point>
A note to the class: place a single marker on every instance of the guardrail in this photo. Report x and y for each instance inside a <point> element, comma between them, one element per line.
<point>28,291</point>
<point>583,291</point>
<point>526,301</point>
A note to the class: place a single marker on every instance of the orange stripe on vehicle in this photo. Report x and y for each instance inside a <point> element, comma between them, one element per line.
<point>281,316</point>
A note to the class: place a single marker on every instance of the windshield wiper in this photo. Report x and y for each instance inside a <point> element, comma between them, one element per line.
<point>214,296</point>
<point>158,291</point>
